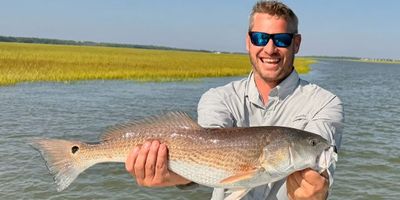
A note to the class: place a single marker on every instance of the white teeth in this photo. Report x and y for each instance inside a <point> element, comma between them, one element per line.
<point>270,60</point>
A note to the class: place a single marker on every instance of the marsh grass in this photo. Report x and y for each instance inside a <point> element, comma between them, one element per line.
<point>21,62</point>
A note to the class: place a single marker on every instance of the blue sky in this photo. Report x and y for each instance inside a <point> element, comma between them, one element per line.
<point>363,28</point>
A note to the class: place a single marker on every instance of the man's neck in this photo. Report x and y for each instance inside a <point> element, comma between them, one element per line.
<point>264,88</point>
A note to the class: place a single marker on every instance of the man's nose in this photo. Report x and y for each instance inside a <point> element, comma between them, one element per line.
<point>270,48</point>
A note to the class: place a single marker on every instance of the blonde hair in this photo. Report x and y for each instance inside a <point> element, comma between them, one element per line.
<point>275,8</point>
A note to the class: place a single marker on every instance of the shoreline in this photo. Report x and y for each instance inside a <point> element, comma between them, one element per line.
<point>363,60</point>
<point>22,62</point>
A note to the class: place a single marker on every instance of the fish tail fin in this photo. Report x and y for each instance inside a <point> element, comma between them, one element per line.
<point>63,159</point>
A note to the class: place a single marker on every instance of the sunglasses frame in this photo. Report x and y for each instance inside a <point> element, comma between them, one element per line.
<point>272,37</point>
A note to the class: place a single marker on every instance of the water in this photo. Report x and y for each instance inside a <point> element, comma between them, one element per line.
<point>369,160</point>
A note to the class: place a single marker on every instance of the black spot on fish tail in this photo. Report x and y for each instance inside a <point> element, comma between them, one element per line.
<point>74,149</point>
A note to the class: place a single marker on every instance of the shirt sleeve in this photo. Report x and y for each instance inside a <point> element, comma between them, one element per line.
<point>328,122</point>
<point>212,110</point>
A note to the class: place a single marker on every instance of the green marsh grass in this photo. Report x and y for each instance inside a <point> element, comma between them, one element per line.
<point>21,62</point>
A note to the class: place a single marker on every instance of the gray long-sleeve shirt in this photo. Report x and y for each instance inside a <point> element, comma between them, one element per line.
<point>293,103</point>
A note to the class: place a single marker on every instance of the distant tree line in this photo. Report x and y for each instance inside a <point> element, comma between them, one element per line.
<point>87,43</point>
<point>354,58</point>
<point>334,57</point>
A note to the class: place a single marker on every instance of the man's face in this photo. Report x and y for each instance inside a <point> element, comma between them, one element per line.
<point>271,63</point>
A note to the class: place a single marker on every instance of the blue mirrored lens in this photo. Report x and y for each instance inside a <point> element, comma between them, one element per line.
<point>259,39</point>
<point>280,39</point>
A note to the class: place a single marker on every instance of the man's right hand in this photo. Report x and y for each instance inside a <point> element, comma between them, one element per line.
<point>149,165</point>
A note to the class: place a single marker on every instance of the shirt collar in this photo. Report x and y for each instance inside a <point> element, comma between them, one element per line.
<point>281,91</point>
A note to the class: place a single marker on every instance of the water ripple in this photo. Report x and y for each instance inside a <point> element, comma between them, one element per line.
<point>369,160</point>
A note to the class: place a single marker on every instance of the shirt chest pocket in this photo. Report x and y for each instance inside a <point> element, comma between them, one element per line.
<point>300,121</point>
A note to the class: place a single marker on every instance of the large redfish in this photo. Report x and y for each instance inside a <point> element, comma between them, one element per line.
<point>236,158</point>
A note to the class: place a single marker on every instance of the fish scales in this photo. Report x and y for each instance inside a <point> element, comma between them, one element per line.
<point>219,148</point>
<point>215,157</point>
<point>216,149</point>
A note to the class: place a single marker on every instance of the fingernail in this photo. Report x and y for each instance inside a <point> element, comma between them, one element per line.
<point>163,147</point>
<point>155,144</point>
<point>135,150</point>
<point>147,145</point>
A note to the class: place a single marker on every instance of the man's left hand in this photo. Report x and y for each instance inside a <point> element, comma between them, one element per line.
<point>307,184</point>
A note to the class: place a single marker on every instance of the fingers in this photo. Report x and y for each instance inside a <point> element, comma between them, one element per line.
<point>297,178</point>
<point>161,170</point>
<point>130,161</point>
<point>149,164</point>
<point>313,178</point>
<point>315,181</point>
<point>151,160</point>
<point>325,174</point>
<point>141,161</point>
<point>306,176</point>
<point>306,184</point>
<point>291,185</point>
<point>161,165</point>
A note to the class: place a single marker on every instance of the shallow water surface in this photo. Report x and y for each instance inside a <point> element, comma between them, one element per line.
<point>369,160</point>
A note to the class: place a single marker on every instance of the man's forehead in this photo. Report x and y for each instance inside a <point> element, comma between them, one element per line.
<point>264,21</point>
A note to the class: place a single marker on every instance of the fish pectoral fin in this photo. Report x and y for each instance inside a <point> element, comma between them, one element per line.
<point>237,194</point>
<point>240,177</point>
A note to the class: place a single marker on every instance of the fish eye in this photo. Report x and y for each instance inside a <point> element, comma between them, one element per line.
<point>313,142</point>
<point>74,149</point>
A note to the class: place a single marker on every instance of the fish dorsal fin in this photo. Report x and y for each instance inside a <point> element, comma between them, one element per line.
<point>176,120</point>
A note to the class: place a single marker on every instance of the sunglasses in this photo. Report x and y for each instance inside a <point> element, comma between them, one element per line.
<point>280,39</point>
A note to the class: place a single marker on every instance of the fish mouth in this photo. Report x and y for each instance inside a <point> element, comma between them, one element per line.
<point>334,148</point>
<point>325,151</point>
<point>324,160</point>
<point>331,146</point>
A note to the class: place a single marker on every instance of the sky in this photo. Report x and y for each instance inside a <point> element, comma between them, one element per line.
<point>359,28</point>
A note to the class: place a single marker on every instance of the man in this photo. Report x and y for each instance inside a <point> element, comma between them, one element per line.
<point>272,95</point>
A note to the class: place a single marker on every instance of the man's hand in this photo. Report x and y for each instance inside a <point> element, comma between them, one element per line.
<point>307,184</point>
<point>148,163</point>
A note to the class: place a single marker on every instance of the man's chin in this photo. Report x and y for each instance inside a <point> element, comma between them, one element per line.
<point>269,67</point>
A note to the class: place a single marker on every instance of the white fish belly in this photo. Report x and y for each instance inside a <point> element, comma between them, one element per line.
<point>201,174</point>
<point>212,177</point>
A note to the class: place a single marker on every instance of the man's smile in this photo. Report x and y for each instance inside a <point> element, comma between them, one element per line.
<point>270,61</point>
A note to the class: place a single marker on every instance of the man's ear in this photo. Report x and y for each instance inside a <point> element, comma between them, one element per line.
<point>248,42</point>
<point>297,42</point>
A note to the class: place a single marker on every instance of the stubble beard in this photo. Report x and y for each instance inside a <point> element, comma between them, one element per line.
<point>279,75</point>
